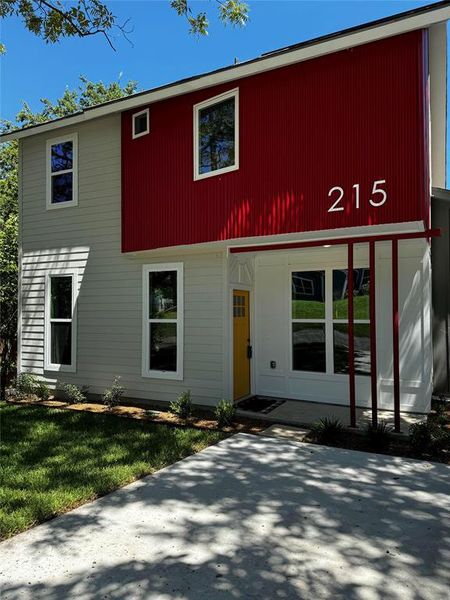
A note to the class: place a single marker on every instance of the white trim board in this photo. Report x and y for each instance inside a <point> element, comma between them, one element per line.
<point>366,34</point>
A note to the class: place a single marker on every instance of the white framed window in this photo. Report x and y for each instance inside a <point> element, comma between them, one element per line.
<point>216,135</point>
<point>141,123</point>
<point>319,321</point>
<point>62,172</point>
<point>60,321</point>
<point>162,321</point>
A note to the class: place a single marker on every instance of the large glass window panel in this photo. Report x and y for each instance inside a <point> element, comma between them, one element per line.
<point>308,347</point>
<point>361,344</point>
<point>62,188</point>
<point>163,295</point>
<point>61,298</point>
<point>216,131</point>
<point>163,346</point>
<point>361,285</point>
<point>62,156</point>
<point>61,343</point>
<point>308,295</point>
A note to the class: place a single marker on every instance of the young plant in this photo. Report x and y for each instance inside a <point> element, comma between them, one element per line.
<point>42,391</point>
<point>73,393</point>
<point>182,406</point>
<point>327,430</point>
<point>420,437</point>
<point>26,384</point>
<point>224,413</point>
<point>113,394</point>
<point>379,435</point>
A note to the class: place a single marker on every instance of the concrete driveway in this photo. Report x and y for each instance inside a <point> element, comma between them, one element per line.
<point>249,518</point>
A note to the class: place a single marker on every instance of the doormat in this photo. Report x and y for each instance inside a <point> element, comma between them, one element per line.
<point>256,404</point>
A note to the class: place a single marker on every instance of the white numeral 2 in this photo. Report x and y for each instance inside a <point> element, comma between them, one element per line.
<point>335,207</point>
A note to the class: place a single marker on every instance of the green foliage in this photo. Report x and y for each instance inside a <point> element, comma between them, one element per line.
<point>73,393</point>
<point>327,430</point>
<point>379,435</point>
<point>224,413</point>
<point>429,437</point>
<point>42,391</point>
<point>53,460</point>
<point>87,94</point>
<point>182,406</point>
<point>232,12</point>
<point>113,394</point>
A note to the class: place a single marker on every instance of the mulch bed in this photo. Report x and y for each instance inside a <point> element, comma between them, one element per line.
<point>199,421</point>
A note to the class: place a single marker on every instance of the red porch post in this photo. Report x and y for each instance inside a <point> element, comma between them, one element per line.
<point>351,339</point>
<point>373,335</point>
<point>395,335</point>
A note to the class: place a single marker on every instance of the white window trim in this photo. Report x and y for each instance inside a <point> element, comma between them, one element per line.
<point>210,102</point>
<point>48,365</point>
<point>146,371</point>
<point>142,112</point>
<point>73,137</point>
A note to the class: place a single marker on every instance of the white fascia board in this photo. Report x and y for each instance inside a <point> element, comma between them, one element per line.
<point>253,67</point>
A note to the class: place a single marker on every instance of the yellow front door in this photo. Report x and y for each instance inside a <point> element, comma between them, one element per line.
<point>241,344</point>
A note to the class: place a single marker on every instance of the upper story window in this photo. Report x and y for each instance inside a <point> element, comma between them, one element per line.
<point>62,163</point>
<point>141,123</point>
<point>216,135</point>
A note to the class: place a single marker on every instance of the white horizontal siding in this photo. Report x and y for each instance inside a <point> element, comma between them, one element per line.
<point>88,238</point>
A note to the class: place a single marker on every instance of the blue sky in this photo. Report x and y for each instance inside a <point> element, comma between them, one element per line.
<point>162,49</point>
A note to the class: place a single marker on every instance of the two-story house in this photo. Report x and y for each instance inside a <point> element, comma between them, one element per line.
<point>263,229</point>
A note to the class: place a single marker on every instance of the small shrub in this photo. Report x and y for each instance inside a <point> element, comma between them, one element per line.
<point>182,406</point>
<point>420,437</point>
<point>42,391</point>
<point>224,413</point>
<point>327,430</point>
<point>379,435</point>
<point>113,395</point>
<point>74,394</point>
<point>26,384</point>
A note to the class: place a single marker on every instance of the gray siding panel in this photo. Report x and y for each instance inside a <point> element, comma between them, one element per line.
<point>87,238</point>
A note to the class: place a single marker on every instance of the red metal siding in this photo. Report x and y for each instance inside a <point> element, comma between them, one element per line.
<point>348,118</point>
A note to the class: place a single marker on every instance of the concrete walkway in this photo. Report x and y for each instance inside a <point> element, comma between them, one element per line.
<point>253,517</point>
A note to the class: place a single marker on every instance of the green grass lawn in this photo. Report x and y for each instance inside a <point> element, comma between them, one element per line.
<point>53,460</point>
<point>311,309</point>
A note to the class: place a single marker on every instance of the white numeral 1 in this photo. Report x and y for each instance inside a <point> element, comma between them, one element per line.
<point>356,188</point>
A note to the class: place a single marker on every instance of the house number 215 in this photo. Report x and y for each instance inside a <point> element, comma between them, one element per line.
<point>377,198</point>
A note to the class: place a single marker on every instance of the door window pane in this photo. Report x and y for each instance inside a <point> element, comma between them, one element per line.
<point>362,348</point>
<point>308,347</point>
<point>216,130</point>
<point>62,156</point>
<point>61,343</point>
<point>163,346</point>
<point>361,283</point>
<point>61,298</point>
<point>308,295</point>
<point>163,295</point>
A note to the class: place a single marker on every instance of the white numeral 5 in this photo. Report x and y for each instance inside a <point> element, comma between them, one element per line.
<point>377,190</point>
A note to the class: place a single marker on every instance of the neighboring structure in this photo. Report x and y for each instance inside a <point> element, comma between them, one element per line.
<point>261,229</point>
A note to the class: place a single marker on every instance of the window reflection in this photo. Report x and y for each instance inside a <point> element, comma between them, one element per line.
<point>308,295</point>
<point>216,136</point>
<point>163,295</point>
<point>62,188</point>
<point>361,302</point>
<point>61,298</point>
<point>62,156</point>
<point>308,347</point>
<point>163,346</point>
<point>361,346</point>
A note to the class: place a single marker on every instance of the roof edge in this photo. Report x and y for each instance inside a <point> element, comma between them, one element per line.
<point>397,24</point>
